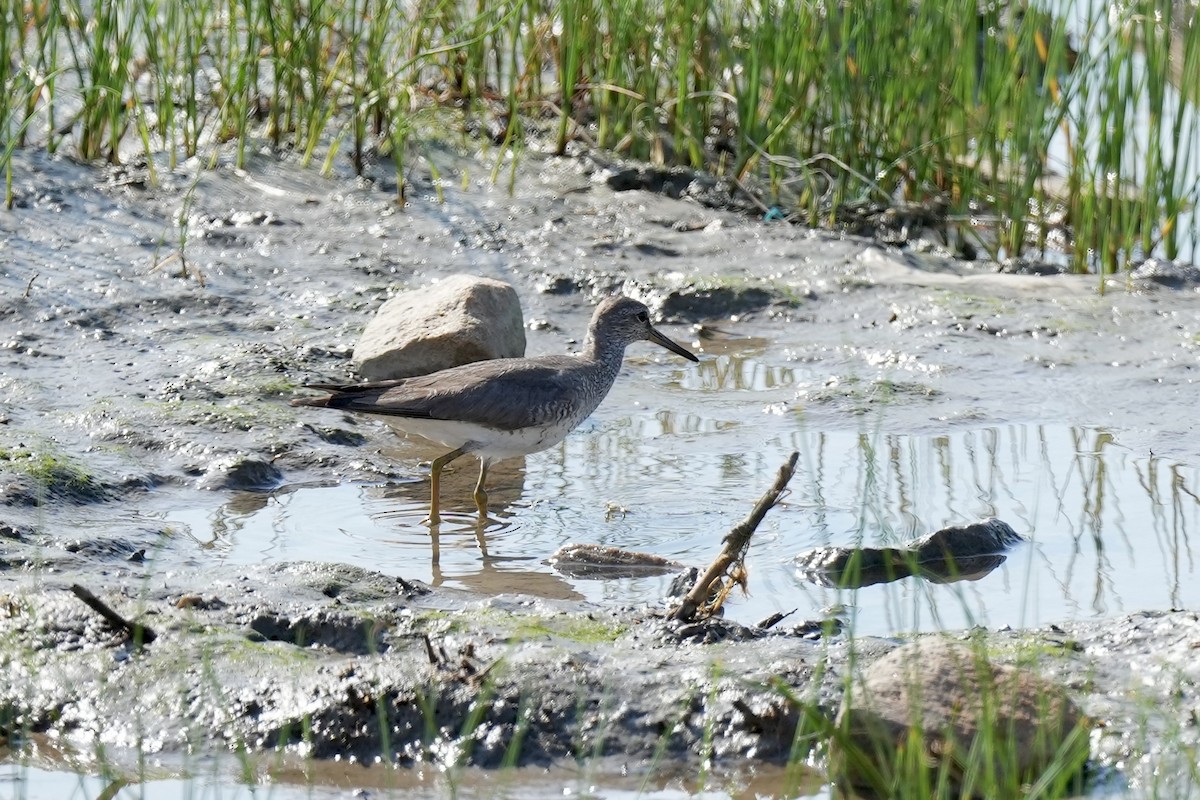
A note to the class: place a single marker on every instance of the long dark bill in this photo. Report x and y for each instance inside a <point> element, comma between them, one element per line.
<point>678,349</point>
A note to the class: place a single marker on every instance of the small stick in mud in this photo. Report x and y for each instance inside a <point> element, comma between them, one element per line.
<point>437,657</point>
<point>728,567</point>
<point>136,631</point>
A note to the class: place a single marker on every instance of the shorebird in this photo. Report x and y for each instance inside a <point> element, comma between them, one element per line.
<point>504,407</point>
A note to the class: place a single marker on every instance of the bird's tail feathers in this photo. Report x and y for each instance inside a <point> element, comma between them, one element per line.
<point>340,392</point>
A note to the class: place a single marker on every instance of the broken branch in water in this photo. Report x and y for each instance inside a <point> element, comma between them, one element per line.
<point>705,596</point>
<point>136,631</point>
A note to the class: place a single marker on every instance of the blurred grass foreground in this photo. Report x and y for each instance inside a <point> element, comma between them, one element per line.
<point>1066,130</point>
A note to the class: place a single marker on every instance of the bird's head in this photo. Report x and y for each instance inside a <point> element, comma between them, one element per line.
<point>623,321</point>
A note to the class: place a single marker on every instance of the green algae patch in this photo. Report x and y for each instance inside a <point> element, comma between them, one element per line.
<point>47,468</point>
<point>235,416</point>
<point>965,302</point>
<point>55,475</point>
<point>523,627</point>
<point>860,395</point>
<point>1032,647</point>
<point>272,387</point>
<point>571,627</point>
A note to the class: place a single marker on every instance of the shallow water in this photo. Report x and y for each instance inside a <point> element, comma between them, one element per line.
<point>229,778</point>
<point>1110,527</point>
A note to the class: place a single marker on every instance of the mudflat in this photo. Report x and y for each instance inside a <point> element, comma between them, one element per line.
<point>151,336</point>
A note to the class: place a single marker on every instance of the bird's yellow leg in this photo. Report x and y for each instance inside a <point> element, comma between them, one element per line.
<point>481,498</point>
<point>435,483</point>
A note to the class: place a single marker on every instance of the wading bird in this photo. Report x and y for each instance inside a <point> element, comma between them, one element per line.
<point>504,407</point>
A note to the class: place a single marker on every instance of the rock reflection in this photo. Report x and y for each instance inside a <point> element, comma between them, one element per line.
<point>1112,529</point>
<point>884,565</point>
<point>957,553</point>
<point>229,518</point>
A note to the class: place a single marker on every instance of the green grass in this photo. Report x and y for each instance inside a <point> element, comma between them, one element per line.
<point>986,765</point>
<point>810,105</point>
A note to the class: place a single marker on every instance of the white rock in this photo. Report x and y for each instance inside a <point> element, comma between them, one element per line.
<point>460,319</point>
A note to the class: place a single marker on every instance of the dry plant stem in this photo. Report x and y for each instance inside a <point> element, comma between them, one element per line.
<point>136,631</point>
<point>736,542</point>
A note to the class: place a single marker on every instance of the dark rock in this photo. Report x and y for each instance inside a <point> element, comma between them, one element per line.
<point>596,561</point>
<point>683,582</point>
<point>241,473</point>
<point>967,552</point>
<point>893,223</point>
<point>1027,266</point>
<point>558,284</point>
<point>708,631</point>
<point>673,182</point>
<point>338,436</point>
<point>12,533</point>
<point>818,628</point>
<point>595,283</point>
<point>341,632</point>
<point>104,548</point>
<point>58,484</point>
<point>1167,274</point>
<point>696,304</point>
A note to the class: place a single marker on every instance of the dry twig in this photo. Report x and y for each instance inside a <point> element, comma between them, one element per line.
<point>728,568</point>
<point>136,631</point>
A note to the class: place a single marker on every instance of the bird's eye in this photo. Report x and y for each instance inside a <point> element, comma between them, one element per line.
<point>643,316</point>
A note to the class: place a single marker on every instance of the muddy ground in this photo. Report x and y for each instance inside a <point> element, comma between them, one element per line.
<point>133,377</point>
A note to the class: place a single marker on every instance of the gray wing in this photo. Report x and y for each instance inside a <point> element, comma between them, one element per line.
<point>504,393</point>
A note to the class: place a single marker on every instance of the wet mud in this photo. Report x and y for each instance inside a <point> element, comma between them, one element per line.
<point>151,336</point>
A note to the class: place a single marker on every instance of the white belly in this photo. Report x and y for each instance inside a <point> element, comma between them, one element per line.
<point>487,443</point>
